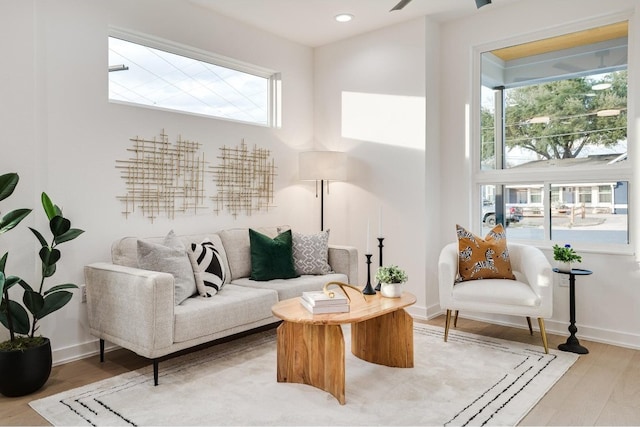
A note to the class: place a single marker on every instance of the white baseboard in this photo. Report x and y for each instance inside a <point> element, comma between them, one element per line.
<point>418,312</point>
<point>585,332</point>
<point>79,351</point>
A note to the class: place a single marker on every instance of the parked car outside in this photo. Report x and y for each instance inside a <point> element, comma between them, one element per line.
<point>512,214</point>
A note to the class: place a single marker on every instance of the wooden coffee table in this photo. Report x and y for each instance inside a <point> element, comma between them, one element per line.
<point>311,346</point>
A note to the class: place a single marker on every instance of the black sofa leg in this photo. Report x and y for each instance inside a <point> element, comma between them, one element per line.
<point>101,350</point>
<point>155,372</point>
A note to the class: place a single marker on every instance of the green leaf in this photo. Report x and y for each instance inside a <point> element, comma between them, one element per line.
<point>69,235</point>
<point>49,271</point>
<point>49,256</point>
<point>3,261</point>
<point>48,206</point>
<point>12,219</point>
<point>53,302</point>
<point>59,225</point>
<point>33,301</point>
<point>8,183</point>
<point>19,318</point>
<point>39,236</point>
<point>60,287</point>
<point>1,284</point>
<point>10,281</point>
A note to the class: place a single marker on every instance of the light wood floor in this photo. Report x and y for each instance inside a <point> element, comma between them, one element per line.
<point>601,388</point>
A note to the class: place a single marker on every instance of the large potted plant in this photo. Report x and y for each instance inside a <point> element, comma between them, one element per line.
<point>25,359</point>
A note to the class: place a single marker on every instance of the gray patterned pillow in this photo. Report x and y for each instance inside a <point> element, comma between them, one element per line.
<point>311,253</point>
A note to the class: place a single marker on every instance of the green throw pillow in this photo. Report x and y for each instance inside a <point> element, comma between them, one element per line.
<point>271,258</point>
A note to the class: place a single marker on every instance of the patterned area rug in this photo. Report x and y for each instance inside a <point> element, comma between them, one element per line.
<point>470,380</point>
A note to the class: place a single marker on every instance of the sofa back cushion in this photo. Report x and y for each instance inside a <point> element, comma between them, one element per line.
<point>238,247</point>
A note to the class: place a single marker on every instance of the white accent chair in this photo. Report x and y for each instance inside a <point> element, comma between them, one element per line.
<point>530,295</point>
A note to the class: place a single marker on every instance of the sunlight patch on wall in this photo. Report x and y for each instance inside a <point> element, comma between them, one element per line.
<point>386,119</point>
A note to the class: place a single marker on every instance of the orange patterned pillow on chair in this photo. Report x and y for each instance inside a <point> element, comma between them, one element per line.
<point>486,258</point>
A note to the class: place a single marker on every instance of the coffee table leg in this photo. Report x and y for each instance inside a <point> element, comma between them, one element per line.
<point>313,355</point>
<point>385,340</point>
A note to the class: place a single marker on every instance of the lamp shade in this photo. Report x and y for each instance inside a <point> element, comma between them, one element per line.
<point>322,165</point>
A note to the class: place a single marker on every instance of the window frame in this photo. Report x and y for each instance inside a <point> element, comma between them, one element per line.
<point>527,176</point>
<point>274,103</point>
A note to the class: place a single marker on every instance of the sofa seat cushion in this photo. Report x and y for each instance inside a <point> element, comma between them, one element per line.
<point>498,291</point>
<point>232,306</point>
<point>291,288</point>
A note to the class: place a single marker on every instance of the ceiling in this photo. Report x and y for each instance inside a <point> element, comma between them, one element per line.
<point>312,23</point>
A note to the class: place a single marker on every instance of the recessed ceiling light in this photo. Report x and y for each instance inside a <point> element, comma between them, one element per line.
<point>344,17</point>
<point>601,86</point>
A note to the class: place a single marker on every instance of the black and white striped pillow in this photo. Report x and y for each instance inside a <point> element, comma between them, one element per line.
<point>208,268</point>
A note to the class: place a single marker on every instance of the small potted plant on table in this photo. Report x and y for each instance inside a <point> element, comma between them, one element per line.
<point>565,256</point>
<point>391,279</point>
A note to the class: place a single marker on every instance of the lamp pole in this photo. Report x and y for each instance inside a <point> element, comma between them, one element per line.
<point>322,205</point>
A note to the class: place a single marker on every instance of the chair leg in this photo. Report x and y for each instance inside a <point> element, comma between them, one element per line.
<point>544,334</point>
<point>447,322</point>
<point>529,323</point>
<point>101,350</point>
<point>155,372</point>
<point>455,320</point>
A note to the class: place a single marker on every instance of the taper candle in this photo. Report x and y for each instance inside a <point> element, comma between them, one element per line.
<point>368,232</point>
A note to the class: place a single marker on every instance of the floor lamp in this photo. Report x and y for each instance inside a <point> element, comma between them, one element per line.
<point>322,166</point>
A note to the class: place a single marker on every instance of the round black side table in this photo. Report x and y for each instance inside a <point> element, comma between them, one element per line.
<point>572,344</point>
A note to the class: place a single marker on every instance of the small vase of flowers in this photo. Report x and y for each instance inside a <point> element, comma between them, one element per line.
<point>565,257</point>
<point>391,279</point>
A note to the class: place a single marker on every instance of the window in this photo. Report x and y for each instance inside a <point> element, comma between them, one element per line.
<point>604,194</point>
<point>536,196</point>
<point>584,195</point>
<point>162,75</point>
<point>552,140</point>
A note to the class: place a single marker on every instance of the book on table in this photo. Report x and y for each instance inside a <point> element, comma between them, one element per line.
<point>327,308</point>
<point>319,298</point>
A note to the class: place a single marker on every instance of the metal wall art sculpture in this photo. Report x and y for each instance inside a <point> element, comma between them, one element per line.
<point>244,179</point>
<point>164,178</point>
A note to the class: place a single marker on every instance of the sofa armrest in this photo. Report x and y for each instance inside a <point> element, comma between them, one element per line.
<point>130,307</point>
<point>344,259</point>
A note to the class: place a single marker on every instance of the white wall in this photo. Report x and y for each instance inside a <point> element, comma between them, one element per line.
<point>62,135</point>
<point>370,101</point>
<point>393,99</point>
<point>607,301</point>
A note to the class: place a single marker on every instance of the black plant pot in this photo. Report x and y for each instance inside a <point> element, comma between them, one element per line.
<point>23,372</point>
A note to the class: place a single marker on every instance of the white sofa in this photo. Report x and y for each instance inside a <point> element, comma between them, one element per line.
<point>134,308</point>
